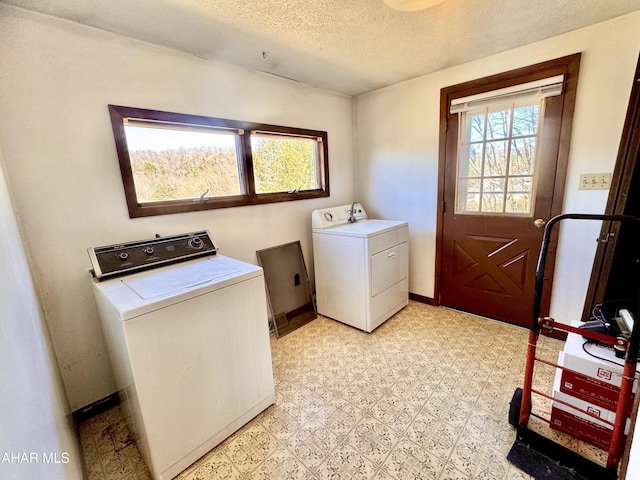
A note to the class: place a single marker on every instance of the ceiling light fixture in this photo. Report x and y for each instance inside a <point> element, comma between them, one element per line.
<point>411,5</point>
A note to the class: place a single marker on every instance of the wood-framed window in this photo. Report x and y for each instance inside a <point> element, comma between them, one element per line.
<point>174,162</point>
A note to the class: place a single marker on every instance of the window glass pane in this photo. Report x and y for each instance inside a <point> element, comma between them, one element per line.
<point>497,168</point>
<point>174,164</point>
<point>493,185</point>
<point>492,194</point>
<point>522,158</point>
<point>495,159</point>
<point>518,203</point>
<point>473,202</point>
<point>525,120</point>
<point>492,202</point>
<point>476,130</point>
<point>473,185</point>
<point>498,124</point>
<point>520,184</point>
<point>469,199</point>
<point>474,165</point>
<point>284,164</point>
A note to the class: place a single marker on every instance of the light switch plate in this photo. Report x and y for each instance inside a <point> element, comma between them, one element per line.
<point>594,181</point>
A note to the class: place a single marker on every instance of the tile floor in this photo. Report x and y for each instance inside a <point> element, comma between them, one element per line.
<point>425,396</point>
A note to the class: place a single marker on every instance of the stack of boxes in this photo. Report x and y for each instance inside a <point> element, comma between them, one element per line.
<point>589,381</point>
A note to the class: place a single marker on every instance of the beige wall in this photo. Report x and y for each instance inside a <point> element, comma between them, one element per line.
<point>55,83</point>
<point>397,132</point>
<point>35,415</point>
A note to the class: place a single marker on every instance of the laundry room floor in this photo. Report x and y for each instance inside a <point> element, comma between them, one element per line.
<point>425,396</point>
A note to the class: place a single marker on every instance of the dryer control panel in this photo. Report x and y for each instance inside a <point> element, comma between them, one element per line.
<point>124,258</point>
<point>334,216</point>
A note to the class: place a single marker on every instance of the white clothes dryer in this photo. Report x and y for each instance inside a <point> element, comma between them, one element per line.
<point>361,266</point>
<point>187,332</point>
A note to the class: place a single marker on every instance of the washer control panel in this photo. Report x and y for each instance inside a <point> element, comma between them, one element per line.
<point>332,217</point>
<point>123,258</point>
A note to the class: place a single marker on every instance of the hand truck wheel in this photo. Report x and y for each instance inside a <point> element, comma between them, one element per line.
<point>514,407</point>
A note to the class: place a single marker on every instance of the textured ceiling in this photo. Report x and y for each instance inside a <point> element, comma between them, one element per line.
<point>348,46</point>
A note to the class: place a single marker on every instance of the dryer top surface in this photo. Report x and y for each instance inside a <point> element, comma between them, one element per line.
<point>363,228</point>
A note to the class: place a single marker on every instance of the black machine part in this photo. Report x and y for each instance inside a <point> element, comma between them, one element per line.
<point>125,258</point>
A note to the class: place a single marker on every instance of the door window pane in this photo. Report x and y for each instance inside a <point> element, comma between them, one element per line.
<point>525,120</point>
<point>476,132</point>
<point>474,163</point>
<point>492,195</point>
<point>495,159</point>
<point>498,124</point>
<point>497,164</point>
<point>523,156</point>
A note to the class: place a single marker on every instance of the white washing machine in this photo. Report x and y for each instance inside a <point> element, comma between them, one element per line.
<point>187,332</point>
<point>361,266</point>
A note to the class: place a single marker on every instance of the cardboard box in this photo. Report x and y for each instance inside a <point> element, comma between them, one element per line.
<point>594,375</point>
<point>583,429</point>
<point>590,409</point>
<point>587,421</point>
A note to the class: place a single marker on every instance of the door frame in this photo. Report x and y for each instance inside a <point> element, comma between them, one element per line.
<point>568,66</point>
<point>626,176</point>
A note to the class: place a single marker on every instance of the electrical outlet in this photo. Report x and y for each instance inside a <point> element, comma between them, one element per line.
<point>594,181</point>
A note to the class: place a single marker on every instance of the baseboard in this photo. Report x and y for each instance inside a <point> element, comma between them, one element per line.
<point>95,408</point>
<point>420,298</point>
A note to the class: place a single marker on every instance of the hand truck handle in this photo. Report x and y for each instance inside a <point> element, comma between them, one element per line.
<point>542,259</point>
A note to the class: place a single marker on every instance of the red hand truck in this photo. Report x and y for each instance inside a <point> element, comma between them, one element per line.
<point>551,460</point>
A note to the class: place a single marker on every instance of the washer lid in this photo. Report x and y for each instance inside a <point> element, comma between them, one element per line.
<point>144,292</point>
<point>363,228</point>
<point>156,284</point>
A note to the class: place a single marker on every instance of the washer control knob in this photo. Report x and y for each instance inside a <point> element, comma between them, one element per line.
<point>196,242</point>
<point>123,256</point>
<point>148,250</point>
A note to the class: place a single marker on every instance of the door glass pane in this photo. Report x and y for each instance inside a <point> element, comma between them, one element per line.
<point>476,132</point>
<point>522,158</point>
<point>518,203</point>
<point>472,202</point>
<point>474,163</point>
<point>498,124</point>
<point>520,184</point>
<point>497,159</point>
<point>492,195</point>
<point>525,120</point>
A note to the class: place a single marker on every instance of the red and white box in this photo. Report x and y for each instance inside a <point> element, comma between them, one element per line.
<point>581,419</point>
<point>591,372</point>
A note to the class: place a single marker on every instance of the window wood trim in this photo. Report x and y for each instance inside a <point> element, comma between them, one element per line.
<point>136,209</point>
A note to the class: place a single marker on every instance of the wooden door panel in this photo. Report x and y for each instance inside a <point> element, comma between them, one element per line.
<point>491,273</point>
<point>487,262</point>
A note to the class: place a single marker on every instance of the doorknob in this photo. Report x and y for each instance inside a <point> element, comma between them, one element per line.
<point>539,222</point>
